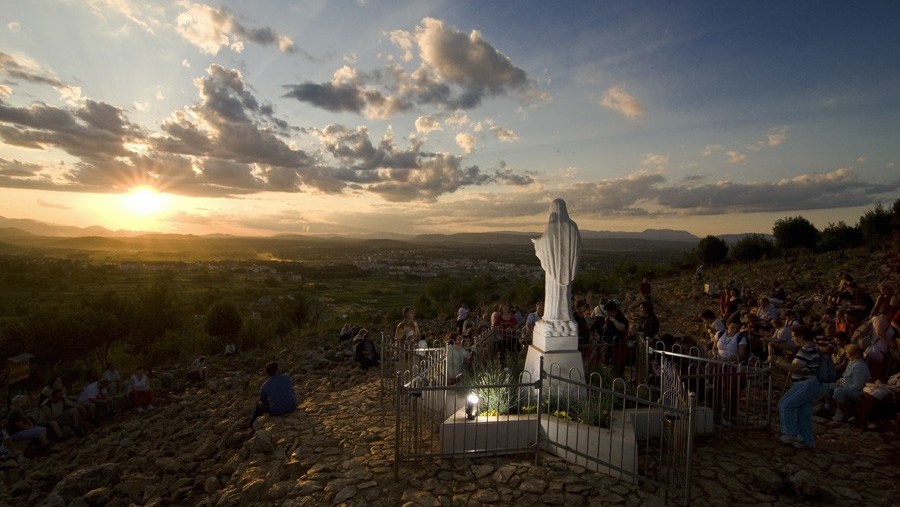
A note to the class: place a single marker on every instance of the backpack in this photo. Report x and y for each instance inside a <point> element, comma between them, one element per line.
<point>827,372</point>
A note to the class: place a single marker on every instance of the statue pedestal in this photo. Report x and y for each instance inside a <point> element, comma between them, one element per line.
<point>557,342</point>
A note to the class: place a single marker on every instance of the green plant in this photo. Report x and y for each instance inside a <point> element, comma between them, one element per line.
<point>493,400</point>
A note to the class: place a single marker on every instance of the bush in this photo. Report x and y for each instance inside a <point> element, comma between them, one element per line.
<point>875,224</point>
<point>839,236</point>
<point>795,232</point>
<point>752,248</point>
<point>711,250</point>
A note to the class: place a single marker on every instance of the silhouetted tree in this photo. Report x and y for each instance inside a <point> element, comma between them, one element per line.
<point>223,320</point>
<point>795,232</point>
<point>752,248</point>
<point>839,236</point>
<point>712,250</point>
<point>875,224</point>
<point>156,312</point>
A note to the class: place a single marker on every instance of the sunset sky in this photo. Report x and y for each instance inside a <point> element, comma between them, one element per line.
<point>348,117</point>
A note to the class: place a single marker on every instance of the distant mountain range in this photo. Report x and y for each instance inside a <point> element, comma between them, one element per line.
<point>23,227</point>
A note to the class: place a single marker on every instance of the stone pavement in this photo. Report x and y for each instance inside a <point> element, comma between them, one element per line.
<point>337,449</point>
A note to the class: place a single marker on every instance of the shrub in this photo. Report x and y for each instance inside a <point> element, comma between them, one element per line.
<point>839,236</point>
<point>711,250</point>
<point>751,248</point>
<point>795,232</point>
<point>875,224</point>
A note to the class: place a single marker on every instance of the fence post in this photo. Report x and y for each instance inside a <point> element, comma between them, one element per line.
<point>769,400</point>
<point>397,436</point>
<point>689,459</point>
<point>540,400</point>
<point>382,367</point>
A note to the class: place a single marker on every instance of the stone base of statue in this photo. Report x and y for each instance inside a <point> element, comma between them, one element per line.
<point>557,342</point>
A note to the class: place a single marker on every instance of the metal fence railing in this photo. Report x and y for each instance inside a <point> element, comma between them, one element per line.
<point>735,395</point>
<point>621,429</point>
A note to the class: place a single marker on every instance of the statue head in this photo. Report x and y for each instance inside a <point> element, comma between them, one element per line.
<point>558,212</point>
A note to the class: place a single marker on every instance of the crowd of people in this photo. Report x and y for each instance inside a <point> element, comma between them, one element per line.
<point>840,349</point>
<point>32,425</point>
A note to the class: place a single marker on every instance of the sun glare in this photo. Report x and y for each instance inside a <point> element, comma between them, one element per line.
<point>145,201</point>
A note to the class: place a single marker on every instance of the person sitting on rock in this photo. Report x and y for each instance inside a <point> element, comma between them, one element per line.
<point>59,414</point>
<point>849,388</point>
<point>141,394</point>
<point>781,341</point>
<point>364,350</point>
<point>21,427</point>
<point>276,396</point>
<point>714,326</point>
<point>111,375</point>
<point>95,399</point>
<point>197,372</point>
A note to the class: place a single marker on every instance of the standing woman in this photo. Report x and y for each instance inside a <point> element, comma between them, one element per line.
<point>795,408</point>
<point>407,333</point>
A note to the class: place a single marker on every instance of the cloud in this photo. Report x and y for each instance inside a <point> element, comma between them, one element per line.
<point>14,26</point>
<point>185,63</point>
<point>24,68</point>
<point>45,204</point>
<point>426,124</point>
<point>5,91</point>
<point>709,149</point>
<point>654,161</point>
<point>466,142</point>
<point>145,15</point>
<point>456,71</point>
<point>212,29</point>
<point>774,137</point>
<point>617,99</point>
<point>735,157</point>
<point>834,189</point>
<point>861,159</point>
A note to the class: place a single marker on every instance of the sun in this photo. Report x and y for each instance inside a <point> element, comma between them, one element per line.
<point>145,201</point>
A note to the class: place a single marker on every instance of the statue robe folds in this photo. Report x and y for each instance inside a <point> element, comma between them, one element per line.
<point>558,251</point>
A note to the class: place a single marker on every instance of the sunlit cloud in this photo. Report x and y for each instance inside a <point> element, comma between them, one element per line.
<point>457,71</point>
<point>774,137</point>
<point>735,157</point>
<point>212,29</point>
<point>426,124</point>
<point>466,142</point>
<point>617,99</point>
<point>14,26</point>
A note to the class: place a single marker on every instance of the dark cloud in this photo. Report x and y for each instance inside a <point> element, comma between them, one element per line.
<point>335,98</point>
<point>457,71</point>
<point>835,189</point>
<point>14,68</point>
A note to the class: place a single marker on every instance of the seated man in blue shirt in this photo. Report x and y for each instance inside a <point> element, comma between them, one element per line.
<point>276,396</point>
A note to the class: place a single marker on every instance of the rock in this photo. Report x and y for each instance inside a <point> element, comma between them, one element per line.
<point>53,500</point>
<point>168,465</point>
<point>482,471</point>
<point>262,443</point>
<point>486,496</point>
<point>345,494</point>
<point>132,488</point>
<point>536,486</point>
<point>804,484</point>
<point>85,479</point>
<point>504,473</point>
<point>767,480</point>
<point>211,485</point>
<point>98,497</point>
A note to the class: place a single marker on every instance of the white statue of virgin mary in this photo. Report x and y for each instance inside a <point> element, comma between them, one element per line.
<point>558,251</point>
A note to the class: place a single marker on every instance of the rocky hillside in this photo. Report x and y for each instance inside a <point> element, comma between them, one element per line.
<point>337,449</point>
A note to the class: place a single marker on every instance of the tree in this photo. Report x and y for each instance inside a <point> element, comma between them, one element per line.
<point>156,312</point>
<point>752,248</point>
<point>875,224</point>
<point>795,232</point>
<point>712,250</point>
<point>839,236</point>
<point>223,320</point>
